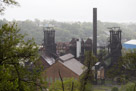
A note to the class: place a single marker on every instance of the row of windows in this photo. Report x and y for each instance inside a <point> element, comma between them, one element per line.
<point>50,79</point>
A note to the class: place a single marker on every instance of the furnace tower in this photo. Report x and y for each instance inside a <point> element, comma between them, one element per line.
<point>49,40</point>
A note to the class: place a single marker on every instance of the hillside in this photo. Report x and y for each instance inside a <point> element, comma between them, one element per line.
<point>67,30</point>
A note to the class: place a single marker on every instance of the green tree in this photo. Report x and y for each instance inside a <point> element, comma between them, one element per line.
<point>128,87</point>
<point>129,65</point>
<point>4,3</point>
<point>87,77</point>
<point>126,68</point>
<point>14,52</point>
<point>129,62</point>
<point>112,73</point>
<point>56,86</point>
<point>114,89</point>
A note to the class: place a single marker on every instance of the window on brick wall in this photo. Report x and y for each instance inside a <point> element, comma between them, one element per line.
<point>47,79</point>
<point>50,79</point>
<point>59,79</point>
<point>56,79</point>
<point>75,78</point>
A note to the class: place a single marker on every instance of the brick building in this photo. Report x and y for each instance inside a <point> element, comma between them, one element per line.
<point>45,60</point>
<point>68,66</point>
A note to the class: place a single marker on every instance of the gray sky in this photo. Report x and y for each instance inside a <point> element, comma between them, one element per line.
<point>73,10</point>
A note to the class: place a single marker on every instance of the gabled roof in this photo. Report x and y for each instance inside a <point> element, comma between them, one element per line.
<point>71,63</point>
<point>49,60</point>
<point>74,65</point>
<point>97,63</point>
<point>88,41</point>
<point>133,42</point>
<point>66,57</point>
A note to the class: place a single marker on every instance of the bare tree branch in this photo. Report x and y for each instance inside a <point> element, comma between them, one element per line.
<point>61,80</point>
<point>72,86</point>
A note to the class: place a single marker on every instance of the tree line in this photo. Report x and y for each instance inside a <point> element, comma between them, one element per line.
<point>65,31</point>
<point>14,76</point>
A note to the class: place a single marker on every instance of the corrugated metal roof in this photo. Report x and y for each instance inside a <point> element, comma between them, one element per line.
<point>97,63</point>
<point>49,60</point>
<point>66,57</point>
<point>74,65</point>
<point>133,42</point>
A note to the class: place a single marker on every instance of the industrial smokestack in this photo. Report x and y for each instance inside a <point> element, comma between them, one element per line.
<point>95,31</point>
<point>78,48</point>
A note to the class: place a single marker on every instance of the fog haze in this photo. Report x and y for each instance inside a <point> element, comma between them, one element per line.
<point>73,10</point>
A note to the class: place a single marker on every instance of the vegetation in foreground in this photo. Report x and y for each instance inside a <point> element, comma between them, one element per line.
<point>14,52</point>
<point>15,75</point>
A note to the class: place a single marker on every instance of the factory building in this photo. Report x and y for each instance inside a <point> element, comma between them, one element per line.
<point>68,67</point>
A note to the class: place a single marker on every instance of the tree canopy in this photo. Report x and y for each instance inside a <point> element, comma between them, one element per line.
<point>56,86</point>
<point>15,75</point>
<point>4,3</point>
<point>65,31</point>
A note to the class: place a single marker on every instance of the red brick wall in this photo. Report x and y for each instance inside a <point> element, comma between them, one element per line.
<point>52,72</point>
<point>44,63</point>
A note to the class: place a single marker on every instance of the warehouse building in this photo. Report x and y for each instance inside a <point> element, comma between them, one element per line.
<point>131,44</point>
<point>68,67</point>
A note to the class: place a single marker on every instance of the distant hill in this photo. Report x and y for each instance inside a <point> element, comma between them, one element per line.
<point>65,31</point>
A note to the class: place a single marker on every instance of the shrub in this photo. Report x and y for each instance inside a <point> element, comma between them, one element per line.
<point>115,89</point>
<point>56,86</point>
<point>128,87</point>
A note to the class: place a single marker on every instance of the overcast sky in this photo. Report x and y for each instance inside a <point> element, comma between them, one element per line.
<point>73,10</point>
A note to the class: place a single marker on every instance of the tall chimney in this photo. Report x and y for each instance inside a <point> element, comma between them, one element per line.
<point>95,31</point>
